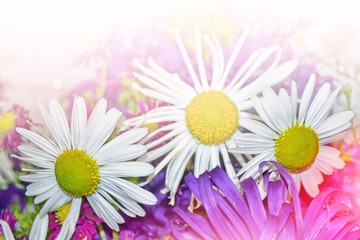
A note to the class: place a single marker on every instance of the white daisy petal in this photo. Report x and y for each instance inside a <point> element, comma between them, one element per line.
<point>39,187</point>
<point>187,61</point>
<point>294,100</point>
<point>260,110</point>
<point>41,176</point>
<point>173,79</point>
<point>258,128</point>
<point>7,233</point>
<point>37,162</point>
<point>39,141</point>
<point>265,156</point>
<point>36,153</point>
<point>59,119</point>
<point>233,56</point>
<point>317,104</point>
<point>46,195</point>
<point>227,164</point>
<point>53,127</point>
<point>78,123</point>
<point>127,138</point>
<point>263,56</point>
<point>134,191</point>
<point>68,227</point>
<point>54,202</point>
<point>179,164</point>
<point>103,131</point>
<point>39,227</point>
<point>334,138</point>
<point>216,68</point>
<point>121,199</point>
<point>166,137</point>
<point>307,179</point>
<point>305,100</point>
<point>323,112</point>
<point>335,121</point>
<point>199,58</point>
<point>286,111</point>
<point>120,154</point>
<point>105,211</point>
<point>166,92</point>
<point>198,158</point>
<point>330,156</point>
<point>129,203</point>
<point>335,131</point>
<point>160,151</point>
<point>127,169</point>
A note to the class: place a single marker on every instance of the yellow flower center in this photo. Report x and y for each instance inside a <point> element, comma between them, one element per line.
<point>77,173</point>
<point>7,121</point>
<point>62,212</point>
<point>211,117</point>
<point>297,148</point>
<point>2,237</point>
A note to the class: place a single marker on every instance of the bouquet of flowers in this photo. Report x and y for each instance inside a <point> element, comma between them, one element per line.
<point>188,135</point>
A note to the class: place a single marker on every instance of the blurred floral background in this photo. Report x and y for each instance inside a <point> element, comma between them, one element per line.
<point>87,48</point>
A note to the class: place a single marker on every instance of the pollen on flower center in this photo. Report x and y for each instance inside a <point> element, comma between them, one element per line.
<point>211,117</point>
<point>77,173</point>
<point>62,212</point>
<point>297,148</point>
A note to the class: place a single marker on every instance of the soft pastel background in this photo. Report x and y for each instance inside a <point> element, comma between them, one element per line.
<point>40,41</point>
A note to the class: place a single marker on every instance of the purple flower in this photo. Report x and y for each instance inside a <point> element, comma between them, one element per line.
<point>231,214</point>
<point>85,227</point>
<point>156,223</point>
<point>9,121</point>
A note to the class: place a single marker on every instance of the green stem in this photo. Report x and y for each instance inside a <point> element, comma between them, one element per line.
<point>101,232</point>
<point>115,235</point>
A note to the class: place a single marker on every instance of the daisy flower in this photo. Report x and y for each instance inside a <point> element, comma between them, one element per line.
<point>295,137</point>
<point>203,118</point>
<point>80,164</point>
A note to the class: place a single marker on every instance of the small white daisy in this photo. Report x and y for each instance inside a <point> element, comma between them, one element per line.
<point>203,119</point>
<point>80,164</point>
<point>295,138</point>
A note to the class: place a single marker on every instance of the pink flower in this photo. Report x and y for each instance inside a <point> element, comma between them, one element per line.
<point>85,227</point>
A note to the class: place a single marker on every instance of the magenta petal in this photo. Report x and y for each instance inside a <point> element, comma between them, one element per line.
<point>236,199</point>
<point>208,201</point>
<point>198,223</point>
<point>275,196</point>
<point>270,229</point>
<point>254,201</point>
<point>335,227</point>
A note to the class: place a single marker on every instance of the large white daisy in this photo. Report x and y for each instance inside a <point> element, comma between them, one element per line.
<point>296,138</point>
<point>202,118</point>
<point>80,164</point>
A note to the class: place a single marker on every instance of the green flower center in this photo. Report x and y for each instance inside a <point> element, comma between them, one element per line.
<point>297,148</point>
<point>211,117</point>
<point>77,173</point>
